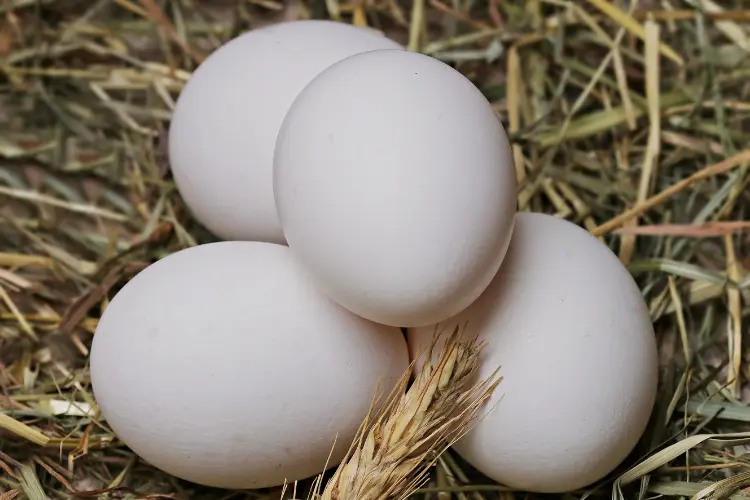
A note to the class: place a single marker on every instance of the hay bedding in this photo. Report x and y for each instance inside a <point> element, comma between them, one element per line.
<point>630,121</point>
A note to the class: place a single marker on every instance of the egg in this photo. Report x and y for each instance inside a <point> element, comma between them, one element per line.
<point>222,365</point>
<point>224,125</point>
<point>395,187</point>
<point>567,326</point>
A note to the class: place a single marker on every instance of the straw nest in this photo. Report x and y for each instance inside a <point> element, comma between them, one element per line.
<point>628,118</point>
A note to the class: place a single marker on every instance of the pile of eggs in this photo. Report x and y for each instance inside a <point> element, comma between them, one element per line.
<point>367,198</point>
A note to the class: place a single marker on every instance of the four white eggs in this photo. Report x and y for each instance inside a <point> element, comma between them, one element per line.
<point>241,364</point>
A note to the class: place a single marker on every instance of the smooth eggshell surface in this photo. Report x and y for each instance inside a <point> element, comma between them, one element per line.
<point>222,365</point>
<point>395,186</point>
<point>569,329</point>
<point>224,126</point>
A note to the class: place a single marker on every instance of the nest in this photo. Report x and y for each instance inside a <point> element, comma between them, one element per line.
<point>627,118</point>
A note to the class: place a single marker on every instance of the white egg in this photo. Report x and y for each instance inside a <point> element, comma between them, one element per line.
<point>222,365</point>
<point>224,126</point>
<point>395,186</point>
<point>569,329</point>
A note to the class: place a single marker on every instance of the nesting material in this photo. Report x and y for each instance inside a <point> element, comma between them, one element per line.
<point>590,96</point>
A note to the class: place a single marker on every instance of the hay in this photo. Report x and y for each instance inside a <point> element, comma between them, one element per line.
<point>630,120</point>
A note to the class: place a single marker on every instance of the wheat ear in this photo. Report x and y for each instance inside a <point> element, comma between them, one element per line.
<point>390,457</point>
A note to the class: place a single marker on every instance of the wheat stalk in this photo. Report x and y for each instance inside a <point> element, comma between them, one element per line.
<point>391,456</point>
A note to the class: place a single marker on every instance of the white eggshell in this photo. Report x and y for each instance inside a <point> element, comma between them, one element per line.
<point>224,126</point>
<point>568,327</point>
<point>222,365</point>
<point>395,186</point>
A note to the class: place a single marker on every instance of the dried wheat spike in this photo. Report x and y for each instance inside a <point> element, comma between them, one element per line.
<point>391,456</point>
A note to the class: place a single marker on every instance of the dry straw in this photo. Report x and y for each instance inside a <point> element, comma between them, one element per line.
<point>87,91</point>
<point>395,448</point>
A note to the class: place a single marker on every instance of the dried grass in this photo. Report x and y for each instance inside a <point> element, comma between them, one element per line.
<point>612,122</point>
